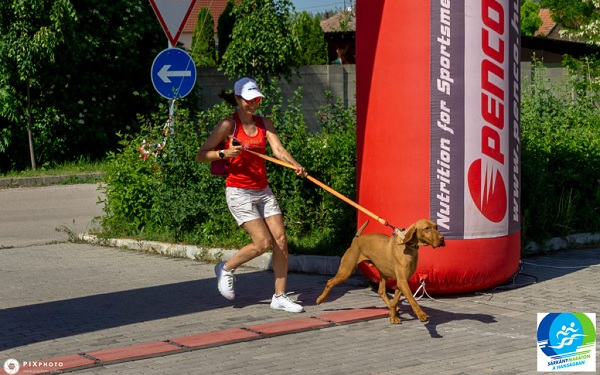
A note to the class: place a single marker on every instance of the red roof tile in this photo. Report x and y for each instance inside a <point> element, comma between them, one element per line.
<point>548,23</point>
<point>216,7</point>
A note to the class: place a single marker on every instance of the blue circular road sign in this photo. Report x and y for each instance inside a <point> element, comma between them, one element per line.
<point>173,73</point>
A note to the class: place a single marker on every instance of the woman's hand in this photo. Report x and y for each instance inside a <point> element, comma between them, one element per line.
<point>300,171</point>
<point>235,148</point>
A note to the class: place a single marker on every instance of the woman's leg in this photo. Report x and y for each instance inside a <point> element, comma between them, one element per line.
<point>261,242</point>
<point>280,299</point>
<point>280,251</point>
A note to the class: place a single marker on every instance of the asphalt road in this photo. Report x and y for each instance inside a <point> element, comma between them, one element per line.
<point>43,215</point>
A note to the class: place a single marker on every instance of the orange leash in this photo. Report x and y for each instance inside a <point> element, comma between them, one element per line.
<point>325,187</point>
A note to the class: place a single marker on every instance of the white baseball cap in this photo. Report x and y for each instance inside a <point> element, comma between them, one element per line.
<point>247,89</point>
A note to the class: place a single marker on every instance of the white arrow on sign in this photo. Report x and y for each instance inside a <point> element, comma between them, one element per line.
<point>164,73</point>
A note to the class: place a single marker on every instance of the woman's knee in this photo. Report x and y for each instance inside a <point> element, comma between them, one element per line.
<point>281,241</point>
<point>262,245</point>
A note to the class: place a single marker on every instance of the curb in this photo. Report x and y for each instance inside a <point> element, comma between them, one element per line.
<point>560,243</point>
<point>311,264</point>
<point>46,180</point>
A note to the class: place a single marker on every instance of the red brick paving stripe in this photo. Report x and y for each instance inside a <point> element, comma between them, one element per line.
<point>217,337</point>
<point>346,316</point>
<point>68,362</point>
<point>121,354</point>
<point>134,351</point>
<point>287,326</point>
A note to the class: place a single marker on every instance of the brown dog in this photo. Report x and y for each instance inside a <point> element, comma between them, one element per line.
<point>394,257</point>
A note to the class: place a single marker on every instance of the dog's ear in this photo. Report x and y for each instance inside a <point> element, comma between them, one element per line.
<point>410,233</point>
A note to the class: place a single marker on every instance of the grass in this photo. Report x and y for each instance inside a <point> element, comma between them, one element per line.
<point>81,166</point>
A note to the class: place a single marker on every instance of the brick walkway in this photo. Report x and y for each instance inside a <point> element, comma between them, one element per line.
<point>102,310</point>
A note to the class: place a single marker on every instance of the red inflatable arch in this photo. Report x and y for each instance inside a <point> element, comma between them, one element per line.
<point>438,91</point>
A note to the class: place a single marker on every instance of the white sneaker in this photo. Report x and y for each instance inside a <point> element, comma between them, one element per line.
<point>225,281</point>
<point>283,302</point>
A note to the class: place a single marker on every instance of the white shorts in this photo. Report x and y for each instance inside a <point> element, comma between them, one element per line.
<point>247,204</point>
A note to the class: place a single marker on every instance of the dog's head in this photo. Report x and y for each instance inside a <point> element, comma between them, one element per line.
<point>423,233</point>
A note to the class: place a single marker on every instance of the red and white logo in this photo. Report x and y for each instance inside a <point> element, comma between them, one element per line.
<point>486,116</point>
<point>488,190</point>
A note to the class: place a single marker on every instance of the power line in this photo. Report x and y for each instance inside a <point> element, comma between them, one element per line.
<point>321,6</point>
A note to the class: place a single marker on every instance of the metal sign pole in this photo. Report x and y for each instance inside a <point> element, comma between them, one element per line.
<point>173,71</point>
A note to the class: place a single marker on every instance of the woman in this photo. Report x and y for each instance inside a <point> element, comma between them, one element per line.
<point>249,198</point>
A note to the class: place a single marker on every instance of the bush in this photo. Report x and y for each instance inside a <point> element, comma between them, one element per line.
<point>560,156</point>
<point>164,194</point>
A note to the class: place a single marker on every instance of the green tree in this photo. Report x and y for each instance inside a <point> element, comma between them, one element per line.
<point>580,19</point>
<point>32,33</point>
<point>106,69</point>
<point>93,88</point>
<point>530,19</point>
<point>262,44</point>
<point>203,40</point>
<point>312,48</point>
<point>346,18</point>
<point>225,28</point>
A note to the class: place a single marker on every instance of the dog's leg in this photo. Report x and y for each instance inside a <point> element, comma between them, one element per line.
<point>402,285</point>
<point>347,265</point>
<point>337,279</point>
<point>392,306</point>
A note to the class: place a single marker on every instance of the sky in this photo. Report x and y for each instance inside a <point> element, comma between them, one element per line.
<point>315,6</point>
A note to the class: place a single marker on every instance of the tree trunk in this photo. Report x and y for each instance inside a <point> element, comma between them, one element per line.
<point>29,126</point>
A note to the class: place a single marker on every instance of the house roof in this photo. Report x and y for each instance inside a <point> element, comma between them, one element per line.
<point>551,30</point>
<point>334,23</point>
<point>548,27</point>
<point>216,7</point>
<point>548,40</point>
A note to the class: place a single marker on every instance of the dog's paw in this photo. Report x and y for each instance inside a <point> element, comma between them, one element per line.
<point>395,317</point>
<point>424,318</point>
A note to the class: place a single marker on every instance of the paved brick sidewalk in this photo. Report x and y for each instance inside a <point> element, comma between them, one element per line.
<point>65,299</point>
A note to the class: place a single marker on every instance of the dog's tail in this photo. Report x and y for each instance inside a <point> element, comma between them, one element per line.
<point>361,229</point>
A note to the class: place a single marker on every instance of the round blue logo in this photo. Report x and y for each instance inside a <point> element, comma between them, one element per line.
<point>564,334</point>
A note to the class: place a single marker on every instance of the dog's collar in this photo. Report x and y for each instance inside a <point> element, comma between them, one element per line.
<point>412,246</point>
<point>398,232</point>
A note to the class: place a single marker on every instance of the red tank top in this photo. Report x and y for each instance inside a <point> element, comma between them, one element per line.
<point>246,170</point>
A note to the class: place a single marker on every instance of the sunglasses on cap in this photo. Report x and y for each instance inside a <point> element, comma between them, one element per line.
<point>251,101</point>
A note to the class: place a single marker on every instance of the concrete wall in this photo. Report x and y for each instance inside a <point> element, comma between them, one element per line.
<point>315,81</point>
<point>555,73</point>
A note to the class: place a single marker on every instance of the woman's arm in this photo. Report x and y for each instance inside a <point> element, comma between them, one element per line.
<point>222,131</point>
<point>278,150</point>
